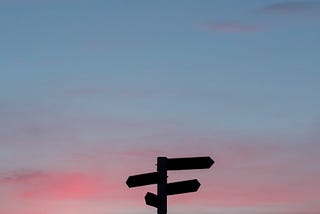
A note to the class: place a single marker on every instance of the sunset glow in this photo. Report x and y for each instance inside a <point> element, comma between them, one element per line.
<point>94,91</point>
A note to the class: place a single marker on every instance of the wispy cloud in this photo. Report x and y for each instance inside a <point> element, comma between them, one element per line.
<point>21,176</point>
<point>232,27</point>
<point>291,7</point>
<point>136,92</point>
<point>110,92</point>
<point>286,8</point>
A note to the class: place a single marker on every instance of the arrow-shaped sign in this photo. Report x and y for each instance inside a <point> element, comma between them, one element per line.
<point>173,189</point>
<point>183,187</point>
<point>189,163</point>
<point>142,179</point>
<point>151,199</point>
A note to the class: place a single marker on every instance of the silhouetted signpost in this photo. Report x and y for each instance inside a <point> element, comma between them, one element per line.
<point>160,178</point>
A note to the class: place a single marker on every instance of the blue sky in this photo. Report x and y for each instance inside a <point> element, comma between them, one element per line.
<point>95,90</point>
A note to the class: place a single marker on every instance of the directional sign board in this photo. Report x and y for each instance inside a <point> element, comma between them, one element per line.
<point>189,163</point>
<point>173,189</point>
<point>142,179</point>
<point>183,187</point>
<point>151,199</point>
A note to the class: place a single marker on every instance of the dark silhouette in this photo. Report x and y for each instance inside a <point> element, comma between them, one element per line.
<point>160,178</point>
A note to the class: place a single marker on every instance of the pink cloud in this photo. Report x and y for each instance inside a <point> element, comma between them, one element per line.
<point>21,212</point>
<point>142,93</point>
<point>232,27</point>
<point>111,92</point>
<point>291,7</point>
<point>63,187</point>
<point>56,185</point>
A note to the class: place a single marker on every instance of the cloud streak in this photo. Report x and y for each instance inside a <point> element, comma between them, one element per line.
<point>288,8</point>
<point>232,27</point>
<point>21,176</point>
<point>291,7</point>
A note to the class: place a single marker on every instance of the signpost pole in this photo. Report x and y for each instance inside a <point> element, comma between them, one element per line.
<point>162,184</point>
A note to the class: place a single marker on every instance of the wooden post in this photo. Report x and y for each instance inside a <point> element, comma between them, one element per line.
<point>162,184</point>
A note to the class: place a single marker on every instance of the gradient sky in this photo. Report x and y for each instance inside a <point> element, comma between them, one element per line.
<point>93,91</point>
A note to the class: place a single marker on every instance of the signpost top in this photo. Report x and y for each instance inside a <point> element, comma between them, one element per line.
<point>164,188</point>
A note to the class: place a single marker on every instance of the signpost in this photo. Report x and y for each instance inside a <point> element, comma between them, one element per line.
<point>160,178</point>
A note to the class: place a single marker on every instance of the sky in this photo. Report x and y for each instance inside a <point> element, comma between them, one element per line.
<point>92,92</point>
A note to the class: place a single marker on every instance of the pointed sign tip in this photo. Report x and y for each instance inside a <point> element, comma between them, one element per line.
<point>197,184</point>
<point>211,161</point>
<point>128,183</point>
